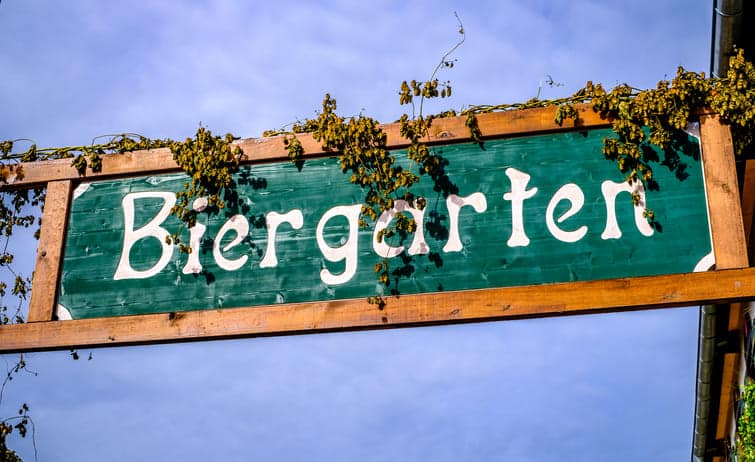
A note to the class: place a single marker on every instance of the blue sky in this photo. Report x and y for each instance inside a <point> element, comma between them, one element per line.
<point>609,387</point>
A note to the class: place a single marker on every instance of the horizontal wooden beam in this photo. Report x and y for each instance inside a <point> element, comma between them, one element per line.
<point>444,130</point>
<point>410,310</point>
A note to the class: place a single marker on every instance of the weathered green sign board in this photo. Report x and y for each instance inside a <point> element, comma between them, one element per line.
<point>523,211</point>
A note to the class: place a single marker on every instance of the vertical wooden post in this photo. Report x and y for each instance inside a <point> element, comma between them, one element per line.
<point>50,251</point>
<point>722,187</point>
<point>729,245</point>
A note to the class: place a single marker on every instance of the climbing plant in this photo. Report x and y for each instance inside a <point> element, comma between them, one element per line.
<point>364,156</point>
<point>640,118</point>
<point>745,436</point>
<point>20,423</point>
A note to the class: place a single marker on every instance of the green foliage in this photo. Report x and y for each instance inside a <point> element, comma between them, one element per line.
<point>16,210</point>
<point>7,454</point>
<point>746,424</point>
<point>640,119</point>
<point>364,156</point>
<point>733,97</point>
<point>361,143</point>
<point>85,156</point>
<point>657,116</point>
<point>295,150</point>
<point>21,423</point>
<point>668,109</point>
<point>210,161</point>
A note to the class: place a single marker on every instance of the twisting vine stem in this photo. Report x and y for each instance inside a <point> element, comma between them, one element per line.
<point>20,423</point>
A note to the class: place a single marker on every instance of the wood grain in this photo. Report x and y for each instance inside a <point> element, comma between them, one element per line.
<point>725,212</point>
<point>411,310</point>
<point>49,251</point>
<point>729,245</point>
<point>729,387</point>
<point>452,129</point>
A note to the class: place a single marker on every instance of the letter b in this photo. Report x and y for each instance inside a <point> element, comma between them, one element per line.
<point>151,229</point>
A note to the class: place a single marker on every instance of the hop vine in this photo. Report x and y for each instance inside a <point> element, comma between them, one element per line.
<point>641,119</point>
<point>745,436</point>
<point>210,162</point>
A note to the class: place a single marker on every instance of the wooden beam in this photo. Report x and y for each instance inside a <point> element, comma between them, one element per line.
<point>49,251</point>
<point>445,130</point>
<point>728,395</point>
<point>729,245</point>
<point>409,310</point>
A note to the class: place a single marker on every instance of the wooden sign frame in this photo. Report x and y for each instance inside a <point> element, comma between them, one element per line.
<point>731,280</point>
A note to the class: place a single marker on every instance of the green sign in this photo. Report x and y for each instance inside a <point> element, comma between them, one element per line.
<point>520,211</point>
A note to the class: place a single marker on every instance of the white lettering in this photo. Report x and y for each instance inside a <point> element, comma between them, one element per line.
<point>349,251</point>
<point>240,225</point>
<point>419,245</point>
<point>274,219</point>
<point>193,266</point>
<point>610,190</point>
<point>151,229</point>
<point>576,198</point>
<point>454,204</point>
<point>519,193</point>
